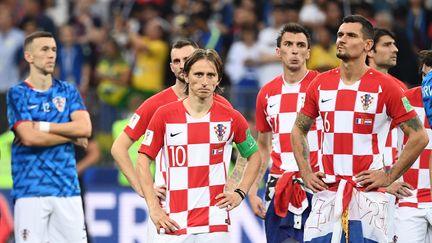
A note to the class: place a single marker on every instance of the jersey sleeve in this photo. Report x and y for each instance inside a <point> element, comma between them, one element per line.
<point>261,123</point>
<point>76,103</point>
<point>246,144</point>
<point>221,99</point>
<point>398,105</point>
<point>154,136</point>
<point>310,107</point>
<point>16,108</point>
<point>139,121</point>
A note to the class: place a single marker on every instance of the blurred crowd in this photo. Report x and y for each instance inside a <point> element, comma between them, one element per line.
<point>117,52</point>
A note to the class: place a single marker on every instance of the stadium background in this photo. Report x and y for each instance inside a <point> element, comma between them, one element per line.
<point>101,40</point>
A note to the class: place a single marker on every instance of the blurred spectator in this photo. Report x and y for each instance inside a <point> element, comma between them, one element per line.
<point>112,74</point>
<point>323,53</point>
<point>241,68</point>
<point>205,32</point>
<point>58,11</point>
<point>72,60</point>
<point>406,68</point>
<point>11,40</point>
<point>311,14</point>
<point>419,25</point>
<point>36,9</point>
<point>151,52</point>
<point>333,11</point>
<point>269,62</point>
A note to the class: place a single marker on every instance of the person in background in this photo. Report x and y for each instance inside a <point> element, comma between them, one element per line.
<point>47,117</point>
<point>198,210</point>
<point>357,105</point>
<point>276,109</point>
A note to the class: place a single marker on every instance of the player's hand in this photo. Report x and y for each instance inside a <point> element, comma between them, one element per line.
<point>160,191</point>
<point>373,179</point>
<point>161,220</point>
<point>400,189</point>
<point>229,200</point>
<point>82,142</point>
<point>257,205</point>
<point>314,181</point>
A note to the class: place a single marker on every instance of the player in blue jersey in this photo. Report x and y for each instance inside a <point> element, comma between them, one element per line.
<point>47,116</point>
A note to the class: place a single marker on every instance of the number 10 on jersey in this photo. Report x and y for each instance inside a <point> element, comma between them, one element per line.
<point>177,155</point>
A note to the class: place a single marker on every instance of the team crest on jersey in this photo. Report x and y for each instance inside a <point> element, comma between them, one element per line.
<point>220,130</point>
<point>366,101</point>
<point>59,103</point>
<point>25,233</point>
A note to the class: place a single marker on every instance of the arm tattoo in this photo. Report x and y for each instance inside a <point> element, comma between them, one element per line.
<point>413,123</point>
<point>236,175</point>
<point>304,122</point>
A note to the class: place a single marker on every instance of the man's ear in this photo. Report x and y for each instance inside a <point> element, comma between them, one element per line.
<point>28,57</point>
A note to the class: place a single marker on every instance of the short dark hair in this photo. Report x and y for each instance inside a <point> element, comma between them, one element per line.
<point>425,57</point>
<point>293,28</point>
<point>206,54</point>
<point>367,28</point>
<point>379,32</point>
<point>184,42</point>
<point>35,35</point>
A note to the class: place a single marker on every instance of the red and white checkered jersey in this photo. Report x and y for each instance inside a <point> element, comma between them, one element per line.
<point>139,121</point>
<point>418,175</point>
<point>390,149</point>
<point>197,153</point>
<point>276,110</point>
<point>356,119</point>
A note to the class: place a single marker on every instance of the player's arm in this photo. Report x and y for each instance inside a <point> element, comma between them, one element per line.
<point>31,136</point>
<point>301,152</point>
<point>417,141</point>
<point>158,216</point>
<point>248,149</point>
<point>264,148</point>
<point>119,151</point>
<point>235,177</point>
<point>79,126</point>
<point>92,157</point>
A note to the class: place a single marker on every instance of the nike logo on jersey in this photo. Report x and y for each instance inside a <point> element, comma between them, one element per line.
<point>324,101</point>
<point>270,106</point>
<point>174,134</point>
<point>31,107</point>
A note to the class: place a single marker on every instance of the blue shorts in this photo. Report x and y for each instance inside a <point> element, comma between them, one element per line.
<point>279,229</point>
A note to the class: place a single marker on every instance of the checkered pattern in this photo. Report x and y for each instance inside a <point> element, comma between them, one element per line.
<point>418,175</point>
<point>197,154</point>
<point>390,150</point>
<point>355,128</point>
<point>139,122</point>
<point>277,106</point>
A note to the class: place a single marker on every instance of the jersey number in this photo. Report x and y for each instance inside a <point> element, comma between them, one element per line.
<point>178,155</point>
<point>326,123</point>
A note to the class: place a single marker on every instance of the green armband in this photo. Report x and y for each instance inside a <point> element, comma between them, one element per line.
<point>248,146</point>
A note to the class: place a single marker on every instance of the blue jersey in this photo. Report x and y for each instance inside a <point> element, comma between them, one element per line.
<point>427,95</point>
<point>43,171</point>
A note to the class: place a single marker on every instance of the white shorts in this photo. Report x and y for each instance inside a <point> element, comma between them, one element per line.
<point>413,224</point>
<point>195,238</point>
<point>49,219</point>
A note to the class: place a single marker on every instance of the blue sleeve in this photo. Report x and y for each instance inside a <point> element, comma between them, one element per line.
<point>16,107</point>
<point>76,103</point>
<point>427,96</point>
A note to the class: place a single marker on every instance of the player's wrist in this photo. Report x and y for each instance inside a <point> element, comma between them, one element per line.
<point>44,126</point>
<point>241,193</point>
